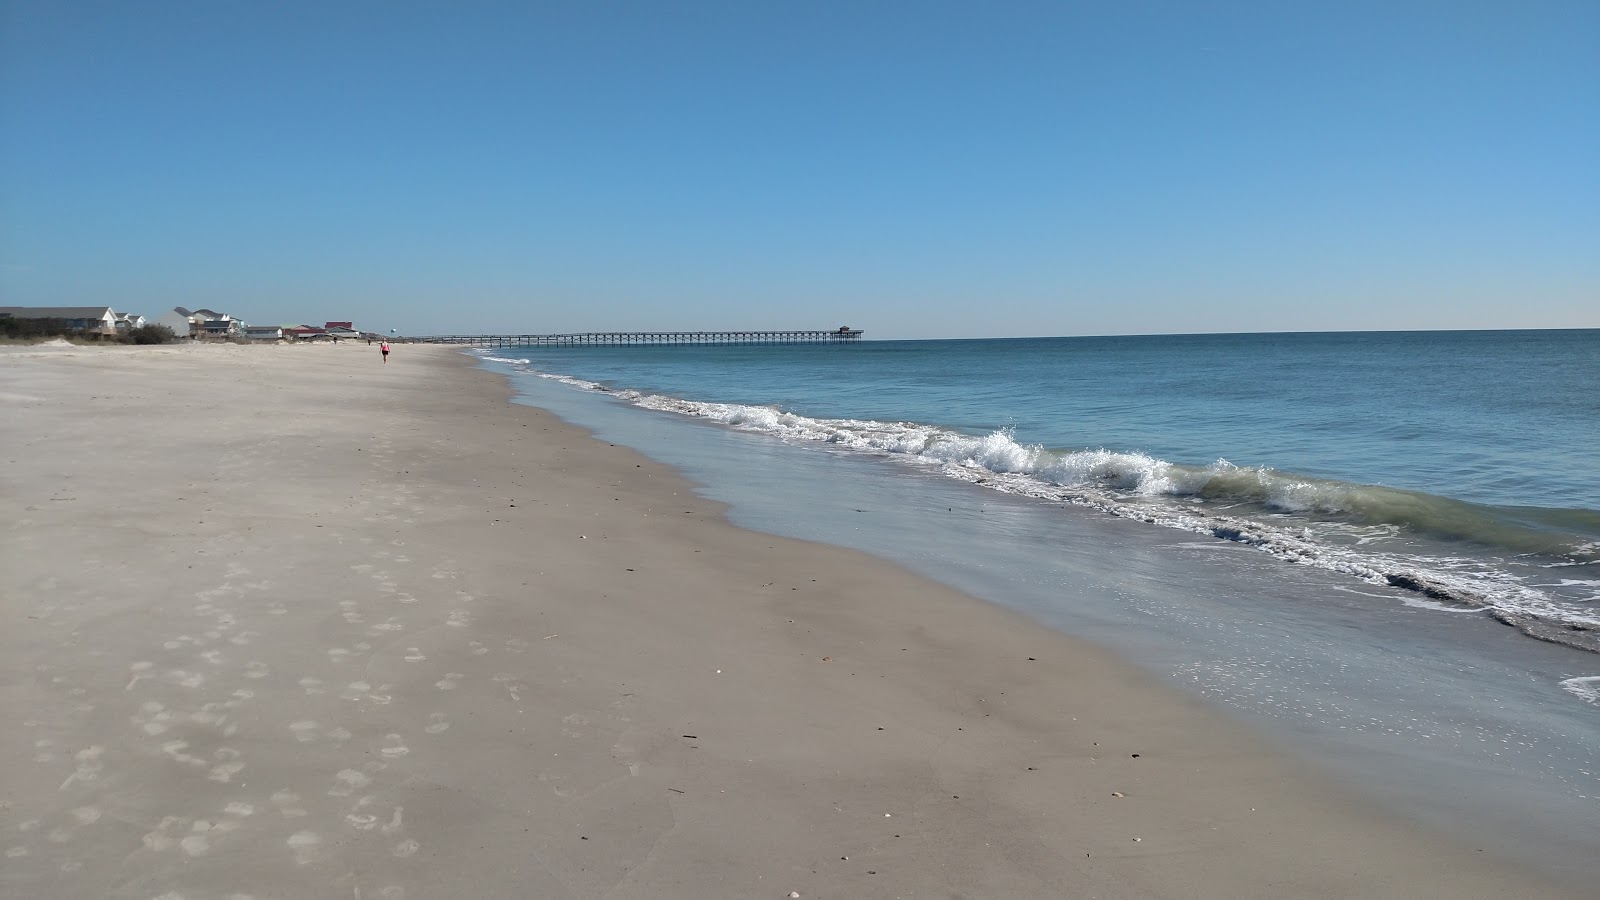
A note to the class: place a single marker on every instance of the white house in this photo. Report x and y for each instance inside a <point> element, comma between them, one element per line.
<point>99,319</point>
<point>201,322</point>
<point>180,320</point>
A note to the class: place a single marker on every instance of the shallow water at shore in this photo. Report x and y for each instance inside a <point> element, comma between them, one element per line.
<point>1443,714</point>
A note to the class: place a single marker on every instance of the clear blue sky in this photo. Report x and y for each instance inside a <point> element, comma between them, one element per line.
<point>915,169</point>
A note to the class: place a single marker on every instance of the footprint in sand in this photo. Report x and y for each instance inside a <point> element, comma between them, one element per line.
<point>228,767</point>
<point>350,781</point>
<point>175,750</point>
<point>160,838</point>
<point>304,845</point>
<point>185,678</point>
<point>512,684</point>
<point>574,725</point>
<point>89,765</point>
<point>153,718</point>
<point>362,821</point>
<point>288,804</point>
<point>195,844</point>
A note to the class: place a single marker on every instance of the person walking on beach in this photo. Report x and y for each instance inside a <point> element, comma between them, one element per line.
<point>384,349</point>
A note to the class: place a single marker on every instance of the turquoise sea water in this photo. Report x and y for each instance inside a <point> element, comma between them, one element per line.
<point>1464,466</point>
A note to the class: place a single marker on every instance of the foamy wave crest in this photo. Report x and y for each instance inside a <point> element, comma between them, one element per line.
<point>1586,689</point>
<point>488,356</point>
<point>1142,475</point>
<point>997,453</point>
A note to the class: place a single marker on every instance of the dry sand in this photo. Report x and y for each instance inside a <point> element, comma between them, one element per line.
<point>286,622</point>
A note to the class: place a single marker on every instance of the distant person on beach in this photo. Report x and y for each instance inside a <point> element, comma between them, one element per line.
<point>384,349</point>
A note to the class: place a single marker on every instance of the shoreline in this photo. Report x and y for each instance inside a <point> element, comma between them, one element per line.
<point>636,697</point>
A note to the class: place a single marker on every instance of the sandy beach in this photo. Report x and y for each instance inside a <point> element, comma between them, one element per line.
<point>285,621</point>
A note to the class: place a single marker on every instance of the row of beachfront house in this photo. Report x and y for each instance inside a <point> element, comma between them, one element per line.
<point>209,323</point>
<point>93,319</point>
<point>196,323</point>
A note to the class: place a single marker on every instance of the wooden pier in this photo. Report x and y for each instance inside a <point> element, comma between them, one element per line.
<point>603,338</point>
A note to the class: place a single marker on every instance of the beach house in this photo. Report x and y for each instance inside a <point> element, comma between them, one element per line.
<point>214,324</point>
<point>178,319</point>
<point>201,323</point>
<point>95,319</point>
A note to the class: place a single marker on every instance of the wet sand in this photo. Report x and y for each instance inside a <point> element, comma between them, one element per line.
<point>288,622</point>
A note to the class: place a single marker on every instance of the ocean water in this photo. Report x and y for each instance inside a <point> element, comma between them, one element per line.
<point>1323,534</point>
<point>1464,466</point>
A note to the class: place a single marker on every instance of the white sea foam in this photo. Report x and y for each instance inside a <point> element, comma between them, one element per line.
<point>1586,688</point>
